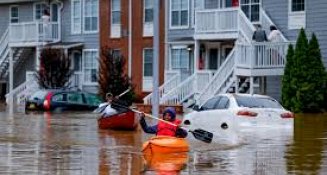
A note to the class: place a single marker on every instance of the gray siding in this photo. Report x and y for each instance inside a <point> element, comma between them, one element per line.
<point>316,20</point>
<point>179,34</point>
<point>274,87</point>
<point>91,41</point>
<point>25,13</point>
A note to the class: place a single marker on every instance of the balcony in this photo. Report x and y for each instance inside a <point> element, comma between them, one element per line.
<point>213,24</point>
<point>33,33</point>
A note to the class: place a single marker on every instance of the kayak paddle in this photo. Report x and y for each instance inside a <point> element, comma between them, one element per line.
<point>101,108</point>
<point>199,134</point>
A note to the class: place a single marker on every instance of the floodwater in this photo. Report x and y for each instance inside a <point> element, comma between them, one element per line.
<point>71,143</point>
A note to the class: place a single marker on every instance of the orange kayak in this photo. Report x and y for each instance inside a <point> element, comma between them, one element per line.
<point>165,154</point>
<point>165,144</point>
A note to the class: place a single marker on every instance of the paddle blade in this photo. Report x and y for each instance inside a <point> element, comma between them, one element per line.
<point>202,135</point>
<point>100,109</point>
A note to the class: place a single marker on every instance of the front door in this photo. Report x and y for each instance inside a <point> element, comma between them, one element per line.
<point>213,59</point>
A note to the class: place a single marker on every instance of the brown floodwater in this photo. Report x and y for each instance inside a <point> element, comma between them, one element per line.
<point>71,143</point>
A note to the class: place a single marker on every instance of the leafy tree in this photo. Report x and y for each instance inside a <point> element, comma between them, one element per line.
<point>288,90</point>
<point>54,69</point>
<point>112,77</point>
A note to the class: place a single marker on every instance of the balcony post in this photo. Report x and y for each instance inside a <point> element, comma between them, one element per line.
<point>11,78</point>
<point>196,56</point>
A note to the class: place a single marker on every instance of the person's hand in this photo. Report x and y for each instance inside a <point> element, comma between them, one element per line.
<point>142,115</point>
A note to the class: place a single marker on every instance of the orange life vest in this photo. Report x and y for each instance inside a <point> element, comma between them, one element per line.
<point>165,129</point>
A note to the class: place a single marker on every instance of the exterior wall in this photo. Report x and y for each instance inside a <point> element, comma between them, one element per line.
<point>24,14</point>
<point>91,41</point>
<point>139,42</point>
<point>316,20</point>
<point>26,65</point>
<point>180,34</point>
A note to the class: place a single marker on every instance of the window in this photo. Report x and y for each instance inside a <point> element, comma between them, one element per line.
<point>38,10</point>
<point>148,11</point>
<point>59,98</point>
<point>179,13</point>
<point>251,8</point>
<point>91,15</point>
<point>115,12</point>
<point>223,103</point>
<point>257,102</point>
<point>77,58</point>
<point>179,58</point>
<point>211,4</point>
<point>211,103</point>
<point>297,5</point>
<point>147,62</point>
<point>296,14</point>
<point>75,98</point>
<point>76,17</point>
<point>14,18</point>
<point>90,66</point>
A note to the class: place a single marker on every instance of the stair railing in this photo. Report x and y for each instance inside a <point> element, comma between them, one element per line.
<point>219,79</point>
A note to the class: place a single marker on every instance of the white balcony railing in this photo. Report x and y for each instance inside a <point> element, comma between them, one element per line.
<point>262,55</point>
<point>225,22</point>
<point>34,32</point>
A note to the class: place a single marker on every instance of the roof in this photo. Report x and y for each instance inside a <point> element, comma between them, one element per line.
<point>65,45</point>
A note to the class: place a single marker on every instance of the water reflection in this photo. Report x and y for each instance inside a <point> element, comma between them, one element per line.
<point>306,154</point>
<point>71,143</point>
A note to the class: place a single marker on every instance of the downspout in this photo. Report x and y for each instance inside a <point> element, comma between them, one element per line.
<point>130,38</point>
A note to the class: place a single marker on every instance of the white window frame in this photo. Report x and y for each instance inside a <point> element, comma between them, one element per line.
<point>146,80</point>
<point>78,31</point>
<point>296,19</point>
<point>73,60</point>
<point>115,27</point>
<point>147,26</point>
<point>84,18</point>
<point>34,10</point>
<point>250,4</point>
<point>170,16</point>
<point>10,13</point>
<point>177,47</point>
<point>84,68</point>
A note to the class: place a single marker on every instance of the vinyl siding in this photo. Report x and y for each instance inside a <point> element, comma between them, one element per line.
<point>91,41</point>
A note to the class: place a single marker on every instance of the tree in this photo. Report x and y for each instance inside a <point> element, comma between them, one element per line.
<point>314,100</point>
<point>304,77</point>
<point>288,91</point>
<point>112,77</point>
<point>54,69</point>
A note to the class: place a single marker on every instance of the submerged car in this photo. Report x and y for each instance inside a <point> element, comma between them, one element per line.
<point>228,115</point>
<point>49,100</point>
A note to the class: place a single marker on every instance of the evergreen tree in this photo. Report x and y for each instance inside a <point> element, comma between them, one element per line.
<point>112,77</point>
<point>299,72</point>
<point>288,91</point>
<point>315,80</point>
<point>54,69</point>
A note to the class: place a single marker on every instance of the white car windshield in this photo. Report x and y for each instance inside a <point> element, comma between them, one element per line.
<point>257,102</point>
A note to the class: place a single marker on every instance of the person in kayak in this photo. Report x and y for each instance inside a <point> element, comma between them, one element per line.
<point>165,129</point>
<point>108,110</point>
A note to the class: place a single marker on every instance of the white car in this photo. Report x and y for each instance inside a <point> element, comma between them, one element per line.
<point>228,116</point>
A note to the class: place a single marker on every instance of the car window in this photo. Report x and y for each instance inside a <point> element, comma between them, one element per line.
<point>59,97</point>
<point>257,102</point>
<point>223,103</point>
<point>38,95</point>
<point>211,103</point>
<point>75,98</point>
<point>92,99</point>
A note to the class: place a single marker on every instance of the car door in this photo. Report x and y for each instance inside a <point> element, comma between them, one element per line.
<point>75,101</point>
<point>59,101</point>
<point>92,101</point>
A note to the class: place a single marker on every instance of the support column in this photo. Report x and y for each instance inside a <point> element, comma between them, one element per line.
<point>11,79</point>
<point>37,56</point>
<point>196,55</point>
<point>251,84</point>
<point>155,91</point>
<point>236,83</point>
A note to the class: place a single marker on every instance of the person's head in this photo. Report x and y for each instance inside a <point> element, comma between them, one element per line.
<point>258,26</point>
<point>46,12</point>
<point>109,97</point>
<point>272,27</point>
<point>169,114</point>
